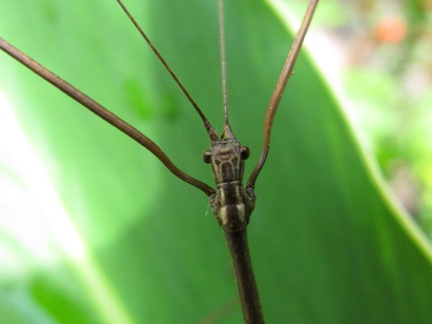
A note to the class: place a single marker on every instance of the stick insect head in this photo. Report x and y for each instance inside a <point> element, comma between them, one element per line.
<point>231,204</point>
<point>227,158</point>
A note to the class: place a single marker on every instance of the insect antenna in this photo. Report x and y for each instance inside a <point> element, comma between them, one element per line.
<point>227,129</point>
<point>209,128</point>
<point>279,89</point>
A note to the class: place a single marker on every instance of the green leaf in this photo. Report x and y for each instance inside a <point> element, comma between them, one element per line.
<point>101,232</point>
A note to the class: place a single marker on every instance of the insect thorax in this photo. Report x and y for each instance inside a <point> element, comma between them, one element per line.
<point>232,204</point>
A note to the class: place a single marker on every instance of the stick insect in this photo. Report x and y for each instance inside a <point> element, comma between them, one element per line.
<point>231,202</point>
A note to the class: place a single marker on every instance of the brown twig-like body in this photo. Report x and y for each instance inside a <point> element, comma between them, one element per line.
<point>246,283</point>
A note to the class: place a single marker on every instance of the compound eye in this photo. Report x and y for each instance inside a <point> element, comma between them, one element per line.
<point>207,156</point>
<point>244,152</point>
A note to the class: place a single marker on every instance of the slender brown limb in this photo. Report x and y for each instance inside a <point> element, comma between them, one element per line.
<point>246,284</point>
<point>102,112</point>
<point>280,88</point>
<point>209,128</point>
<point>221,312</point>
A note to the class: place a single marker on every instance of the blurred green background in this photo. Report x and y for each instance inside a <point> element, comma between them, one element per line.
<point>382,54</point>
<point>95,230</point>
